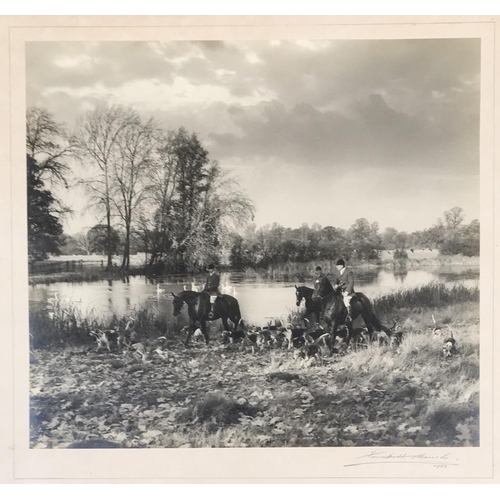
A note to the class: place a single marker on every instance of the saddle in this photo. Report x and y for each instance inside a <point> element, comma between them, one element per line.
<point>218,302</point>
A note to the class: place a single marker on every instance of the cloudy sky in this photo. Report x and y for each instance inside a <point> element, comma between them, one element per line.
<point>316,131</point>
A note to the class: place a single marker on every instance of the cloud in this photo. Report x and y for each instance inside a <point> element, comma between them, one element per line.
<point>301,115</point>
<point>371,133</point>
<point>87,64</point>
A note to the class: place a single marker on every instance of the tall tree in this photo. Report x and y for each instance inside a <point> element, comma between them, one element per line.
<point>194,206</point>
<point>155,219</point>
<point>83,242</point>
<point>99,239</point>
<point>44,227</point>
<point>97,141</point>
<point>137,145</point>
<point>48,143</point>
<point>454,217</point>
<point>219,209</point>
<point>192,173</point>
<point>365,239</point>
<point>48,149</point>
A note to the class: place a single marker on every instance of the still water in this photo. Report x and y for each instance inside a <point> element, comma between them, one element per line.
<point>260,298</point>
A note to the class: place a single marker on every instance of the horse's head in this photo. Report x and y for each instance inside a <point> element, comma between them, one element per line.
<point>299,294</point>
<point>177,303</point>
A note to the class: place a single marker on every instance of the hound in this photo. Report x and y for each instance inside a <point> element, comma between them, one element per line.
<point>128,336</point>
<point>143,350</point>
<point>310,350</point>
<point>294,335</point>
<point>438,328</point>
<point>101,339</point>
<point>449,346</point>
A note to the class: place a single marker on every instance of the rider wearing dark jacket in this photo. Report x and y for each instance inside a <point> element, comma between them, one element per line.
<point>322,285</point>
<point>213,281</point>
<point>212,287</point>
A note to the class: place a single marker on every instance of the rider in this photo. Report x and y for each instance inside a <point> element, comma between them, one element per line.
<point>212,287</point>
<point>322,285</point>
<point>346,283</point>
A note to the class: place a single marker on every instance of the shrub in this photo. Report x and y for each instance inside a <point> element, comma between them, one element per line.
<point>217,408</point>
<point>400,254</point>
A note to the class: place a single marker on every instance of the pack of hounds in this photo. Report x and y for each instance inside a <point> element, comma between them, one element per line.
<point>307,343</point>
<point>127,340</point>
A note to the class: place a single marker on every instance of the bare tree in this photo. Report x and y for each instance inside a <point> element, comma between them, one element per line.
<point>83,241</point>
<point>155,220</point>
<point>137,144</point>
<point>454,217</point>
<point>47,142</point>
<point>97,142</point>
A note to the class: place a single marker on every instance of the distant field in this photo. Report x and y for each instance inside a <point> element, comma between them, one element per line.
<point>137,259</point>
<point>417,254</point>
<point>431,257</point>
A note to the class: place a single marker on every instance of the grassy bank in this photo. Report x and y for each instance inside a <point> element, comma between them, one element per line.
<point>433,295</point>
<point>236,396</point>
<point>87,275</point>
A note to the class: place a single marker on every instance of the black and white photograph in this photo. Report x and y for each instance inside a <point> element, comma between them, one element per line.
<point>263,243</point>
<point>242,242</point>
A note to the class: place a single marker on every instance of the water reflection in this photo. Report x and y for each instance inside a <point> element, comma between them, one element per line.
<point>260,297</point>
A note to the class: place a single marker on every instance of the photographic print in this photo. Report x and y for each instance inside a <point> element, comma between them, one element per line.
<point>164,174</point>
<point>258,243</point>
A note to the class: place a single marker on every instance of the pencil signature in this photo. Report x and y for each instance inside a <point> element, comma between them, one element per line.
<point>438,461</point>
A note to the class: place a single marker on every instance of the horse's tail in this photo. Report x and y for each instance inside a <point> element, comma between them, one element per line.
<point>237,313</point>
<point>233,309</point>
<point>378,325</point>
<point>365,301</point>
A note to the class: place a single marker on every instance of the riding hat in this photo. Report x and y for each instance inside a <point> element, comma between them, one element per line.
<point>340,262</point>
<point>318,268</point>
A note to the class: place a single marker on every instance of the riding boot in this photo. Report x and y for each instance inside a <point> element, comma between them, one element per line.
<point>349,315</point>
<point>210,313</point>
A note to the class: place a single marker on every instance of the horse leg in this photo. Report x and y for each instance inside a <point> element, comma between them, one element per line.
<point>368,324</point>
<point>317,313</point>
<point>332,326</point>
<point>191,329</point>
<point>225,323</point>
<point>348,323</point>
<point>204,330</point>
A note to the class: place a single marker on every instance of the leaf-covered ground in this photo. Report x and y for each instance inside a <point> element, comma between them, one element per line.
<point>229,396</point>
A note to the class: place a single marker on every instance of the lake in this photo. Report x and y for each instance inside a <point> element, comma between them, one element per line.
<point>260,298</point>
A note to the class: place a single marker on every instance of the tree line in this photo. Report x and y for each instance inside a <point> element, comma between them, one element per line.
<point>157,191</point>
<point>275,244</point>
<point>155,188</point>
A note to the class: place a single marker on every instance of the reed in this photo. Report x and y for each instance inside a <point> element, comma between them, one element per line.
<point>426,296</point>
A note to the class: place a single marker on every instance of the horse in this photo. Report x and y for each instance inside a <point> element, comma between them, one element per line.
<point>225,307</point>
<point>337,315</point>
<point>361,306</point>
<point>312,306</point>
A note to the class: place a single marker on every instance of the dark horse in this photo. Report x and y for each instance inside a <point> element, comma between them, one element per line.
<point>312,306</point>
<point>225,307</point>
<point>335,312</point>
